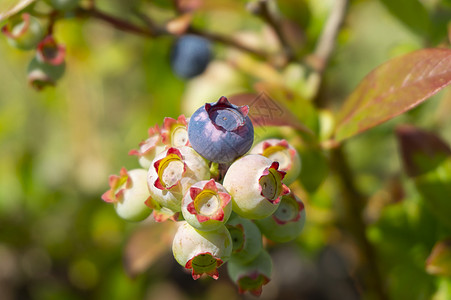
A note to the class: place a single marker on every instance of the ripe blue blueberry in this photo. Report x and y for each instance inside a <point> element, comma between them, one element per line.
<point>221,131</point>
<point>190,56</point>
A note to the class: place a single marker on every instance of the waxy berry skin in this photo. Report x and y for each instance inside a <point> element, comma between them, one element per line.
<point>201,251</point>
<point>251,276</point>
<point>255,184</point>
<point>282,152</point>
<point>206,205</point>
<point>171,174</point>
<point>246,237</point>
<point>190,56</point>
<point>287,221</point>
<point>128,192</point>
<point>221,131</point>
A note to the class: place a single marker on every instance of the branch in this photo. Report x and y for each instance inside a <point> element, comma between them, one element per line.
<point>353,202</point>
<point>230,42</point>
<point>120,24</point>
<point>264,11</point>
<point>152,30</point>
<point>326,42</point>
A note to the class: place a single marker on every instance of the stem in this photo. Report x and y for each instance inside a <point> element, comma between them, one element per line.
<point>326,42</point>
<point>152,30</point>
<point>121,24</point>
<point>273,20</point>
<point>319,59</point>
<point>230,42</point>
<point>353,202</point>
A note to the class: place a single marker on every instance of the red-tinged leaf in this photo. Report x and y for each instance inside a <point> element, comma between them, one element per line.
<point>146,245</point>
<point>439,261</point>
<point>421,151</point>
<point>11,7</point>
<point>265,111</point>
<point>393,88</point>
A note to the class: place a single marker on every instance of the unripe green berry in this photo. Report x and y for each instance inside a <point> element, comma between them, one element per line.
<point>41,74</point>
<point>25,33</point>
<point>172,173</point>
<point>128,192</point>
<point>287,221</point>
<point>202,252</point>
<point>255,184</point>
<point>206,205</point>
<point>282,152</point>
<point>246,237</point>
<point>253,275</point>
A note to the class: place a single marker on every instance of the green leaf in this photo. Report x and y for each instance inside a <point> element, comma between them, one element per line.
<point>411,12</point>
<point>393,88</point>
<point>315,168</point>
<point>439,261</point>
<point>11,7</point>
<point>427,160</point>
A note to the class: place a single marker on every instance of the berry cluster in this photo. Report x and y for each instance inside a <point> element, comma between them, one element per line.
<point>26,32</point>
<point>197,172</point>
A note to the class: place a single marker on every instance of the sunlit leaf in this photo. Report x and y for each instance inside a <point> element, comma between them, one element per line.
<point>11,7</point>
<point>146,245</point>
<point>439,261</point>
<point>265,111</point>
<point>393,88</point>
<point>427,159</point>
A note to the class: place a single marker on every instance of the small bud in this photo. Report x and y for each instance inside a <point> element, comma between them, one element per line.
<point>255,184</point>
<point>202,252</point>
<point>128,192</point>
<point>253,275</point>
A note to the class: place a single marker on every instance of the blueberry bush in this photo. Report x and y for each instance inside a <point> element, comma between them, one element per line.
<point>279,149</point>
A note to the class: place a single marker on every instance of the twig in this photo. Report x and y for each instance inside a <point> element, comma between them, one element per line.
<point>121,24</point>
<point>152,30</point>
<point>265,13</point>
<point>151,25</point>
<point>230,42</point>
<point>326,42</point>
<point>353,202</point>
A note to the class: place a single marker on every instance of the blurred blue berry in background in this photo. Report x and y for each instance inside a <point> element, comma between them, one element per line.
<point>190,56</point>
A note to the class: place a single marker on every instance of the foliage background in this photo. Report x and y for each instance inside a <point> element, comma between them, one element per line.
<point>58,240</point>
